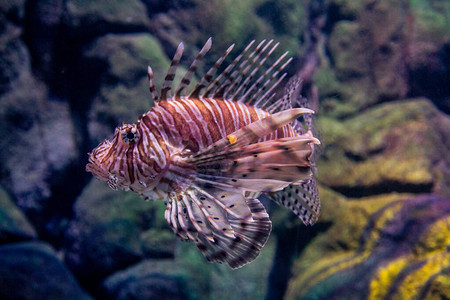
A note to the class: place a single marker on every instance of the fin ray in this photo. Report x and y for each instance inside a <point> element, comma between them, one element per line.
<point>167,85</point>
<point>186,80</point>
<point>241,238</point>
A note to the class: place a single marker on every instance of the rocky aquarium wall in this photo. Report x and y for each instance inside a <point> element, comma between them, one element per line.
<point>72,70</point>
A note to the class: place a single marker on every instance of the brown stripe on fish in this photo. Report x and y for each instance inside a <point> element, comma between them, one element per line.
<point>130,163</point>
<point>154,139</point>
<point>210,119</point>
<point>192,108</point>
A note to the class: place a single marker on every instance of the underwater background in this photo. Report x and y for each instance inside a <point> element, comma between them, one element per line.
<point>73,70</point>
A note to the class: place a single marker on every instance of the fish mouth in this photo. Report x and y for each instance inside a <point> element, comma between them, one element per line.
<point>94,167</point>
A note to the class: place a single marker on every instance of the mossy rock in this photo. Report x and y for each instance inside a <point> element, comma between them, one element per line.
<point>14,226</point>
<point>389,246</point>
<point>127,56</point>
<point>96,15</point>
<point>193,275</point>
<point>33,269</point>
<point>432,19</point>
<point>146,280</point>
<point>396,146</point>
<point>123,95</point>
<point>158,243</point>
<point>230,22</point>
<point>347,9</point>
<point>366,62</point>
<point>110,231</point>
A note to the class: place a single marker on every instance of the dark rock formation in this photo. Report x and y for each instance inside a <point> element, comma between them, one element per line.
<point>31,270</point>
<point>146,280</point>
<point>14,226</point>
<point>110,231</point>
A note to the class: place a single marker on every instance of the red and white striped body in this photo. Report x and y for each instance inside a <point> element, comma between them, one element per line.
<point>172,129</point>
<point>209,154</point>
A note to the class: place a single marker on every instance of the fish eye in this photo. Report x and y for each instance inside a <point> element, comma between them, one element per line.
<point>130,135</point>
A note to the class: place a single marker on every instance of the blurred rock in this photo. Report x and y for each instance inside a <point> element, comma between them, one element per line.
<point>158,243</point>
<point>123,95</point>
<point>94,18</point>
<point>398,146</point>
<point>13,224</point>
<point>32,270</point>
<point>367,65</point>
<point>14,58</point>
<point>147,280</point>
<point>239,22</point>
<point>110,232</point>
<point>13,9</point>
<point>37,137</point>
<point>367,62</point>
<point>428,51</point>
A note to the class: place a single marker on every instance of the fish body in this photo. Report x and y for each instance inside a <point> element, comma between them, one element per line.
<point>210,154</point>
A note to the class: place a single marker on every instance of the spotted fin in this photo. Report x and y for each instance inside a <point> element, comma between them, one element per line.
<point>303,199</point>
<point>223,224</point>
<point>261,167</point>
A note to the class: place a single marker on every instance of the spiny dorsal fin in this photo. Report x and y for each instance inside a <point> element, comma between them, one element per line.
<point>152,86</point>
<point>187,77</point>
<point>207,78</point>
<point>243,87</point>
<point>236,82</point>
<point>257,97</point>
<point>239,73</point>
<point>167,85</point>
<point>212,88</point>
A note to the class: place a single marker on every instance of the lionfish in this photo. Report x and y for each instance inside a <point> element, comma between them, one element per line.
<point>209,155</point>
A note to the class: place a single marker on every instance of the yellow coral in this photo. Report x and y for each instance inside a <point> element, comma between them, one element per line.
<point>432,250</point>
<point>415,281</point>
<point>439,288</point>
<point>380,284</point>
<point>436,239</point>
<point>348,260</point>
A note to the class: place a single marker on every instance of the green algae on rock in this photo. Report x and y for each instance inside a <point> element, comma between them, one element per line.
<point>14,226</point>
<point>95,14</point>
<point>397,146</point>
<point>123,59</point>
<point>109,232</point>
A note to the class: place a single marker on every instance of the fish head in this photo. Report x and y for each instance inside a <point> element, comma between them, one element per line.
<point>120,163</point>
